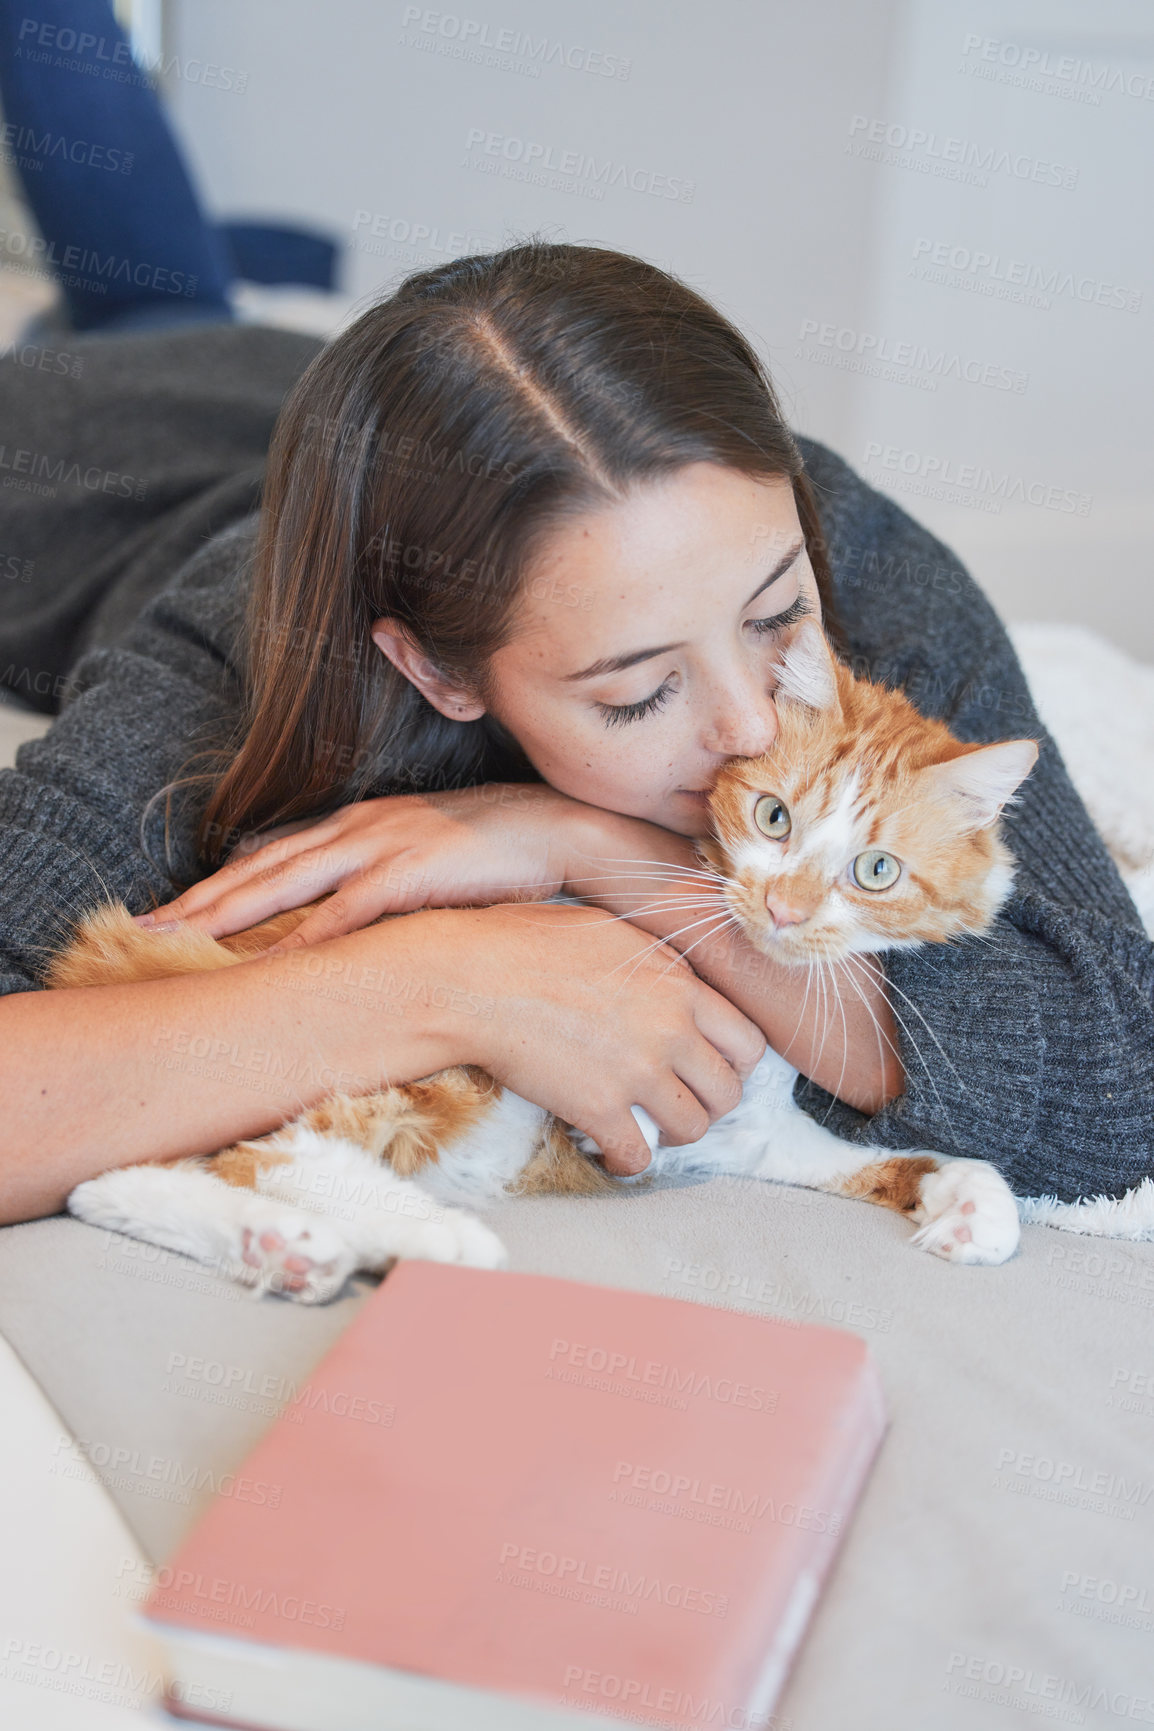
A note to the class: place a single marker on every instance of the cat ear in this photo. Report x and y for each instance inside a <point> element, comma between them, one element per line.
<point>805,673</point>
<point>980,782</point>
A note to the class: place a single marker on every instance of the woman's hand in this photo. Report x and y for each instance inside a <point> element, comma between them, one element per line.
<point>650,875</point>
<point>591,1017</point>
<point>496,842</point>
<point>654,879</point>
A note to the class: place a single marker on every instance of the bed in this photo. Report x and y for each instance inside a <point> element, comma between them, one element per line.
<point>1002,1561</point>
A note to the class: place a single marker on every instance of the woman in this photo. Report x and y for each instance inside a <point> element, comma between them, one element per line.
<point>533,537</point>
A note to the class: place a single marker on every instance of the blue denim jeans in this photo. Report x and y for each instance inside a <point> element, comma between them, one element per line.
<point>123,230</point>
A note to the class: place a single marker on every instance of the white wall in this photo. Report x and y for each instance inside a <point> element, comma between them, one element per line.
<point>754,112</point>
<point>1080,432</point>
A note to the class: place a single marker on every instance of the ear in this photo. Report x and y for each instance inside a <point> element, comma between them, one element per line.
<point>980,782</point>
<point>395,643</point>
<point>806,672</point>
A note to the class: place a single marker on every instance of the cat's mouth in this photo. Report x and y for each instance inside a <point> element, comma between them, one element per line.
<point>799,944</point>
<point>795,947</point>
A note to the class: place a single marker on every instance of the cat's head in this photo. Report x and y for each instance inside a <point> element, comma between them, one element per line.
<point>867,827</point>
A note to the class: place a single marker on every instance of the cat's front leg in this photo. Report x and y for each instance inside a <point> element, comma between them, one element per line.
<point>966,1212</point>
<point>261,1241</point>
<point>964,1209</point>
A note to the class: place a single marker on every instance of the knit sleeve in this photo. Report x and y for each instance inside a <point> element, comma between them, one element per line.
<point>76,824</point>
<point>1033,1046</point>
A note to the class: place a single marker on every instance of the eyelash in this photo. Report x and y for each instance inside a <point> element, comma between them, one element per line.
<point>795,611</point>
<point>619,714</point>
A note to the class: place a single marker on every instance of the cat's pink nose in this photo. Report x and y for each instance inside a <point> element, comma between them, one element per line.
<point>782,914</point>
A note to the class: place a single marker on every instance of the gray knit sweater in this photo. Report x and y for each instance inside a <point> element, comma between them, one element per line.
<point>1035,1051</point>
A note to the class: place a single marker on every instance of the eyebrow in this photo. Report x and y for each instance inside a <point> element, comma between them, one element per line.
<point>617,663</point>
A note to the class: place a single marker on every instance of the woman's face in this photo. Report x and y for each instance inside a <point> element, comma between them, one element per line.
<point>647,638</point>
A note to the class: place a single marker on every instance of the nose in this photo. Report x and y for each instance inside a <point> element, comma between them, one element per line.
<point>743,725</point>
<point>783,913</point>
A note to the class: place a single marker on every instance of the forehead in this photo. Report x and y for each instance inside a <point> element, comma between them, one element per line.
<point>659,565</point>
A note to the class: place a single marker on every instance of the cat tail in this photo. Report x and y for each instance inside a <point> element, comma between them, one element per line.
<point>108,948</point>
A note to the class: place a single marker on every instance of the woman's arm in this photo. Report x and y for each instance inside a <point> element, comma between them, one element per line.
<point>103,1076</point>
<point>561,1004</point>
<point>840,1034</point>
<point>506,840</point>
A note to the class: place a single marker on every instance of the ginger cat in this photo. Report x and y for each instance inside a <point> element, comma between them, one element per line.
<point>866,828</point>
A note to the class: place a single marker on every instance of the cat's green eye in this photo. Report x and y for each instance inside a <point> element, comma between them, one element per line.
<point>771,817</point>
<point>875,870</point>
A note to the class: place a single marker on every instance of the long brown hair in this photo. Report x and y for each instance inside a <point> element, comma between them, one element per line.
<point>415,468</point>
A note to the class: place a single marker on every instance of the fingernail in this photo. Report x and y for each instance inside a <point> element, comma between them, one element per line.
<point>166,925</point>
<point>275,950</point>
<point>145,919</point>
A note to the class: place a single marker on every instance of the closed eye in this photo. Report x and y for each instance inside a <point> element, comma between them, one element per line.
<point>795,611</point>
<point>617,714</point>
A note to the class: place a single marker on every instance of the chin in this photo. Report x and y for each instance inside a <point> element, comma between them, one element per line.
<point>794,952</point>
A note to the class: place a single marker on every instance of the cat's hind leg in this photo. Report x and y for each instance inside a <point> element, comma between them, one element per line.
<point>297,1214</point>
<point>381,1215</point>
<point>184,1206</point>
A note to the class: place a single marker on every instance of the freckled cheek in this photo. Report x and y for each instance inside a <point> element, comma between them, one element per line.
<point>619,766</point>
<point>587,762</point>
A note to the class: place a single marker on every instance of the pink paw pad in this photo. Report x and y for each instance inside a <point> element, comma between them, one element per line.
<point>266,1241</point>
<point>969,1208</point>
<point>963,1234</point>
<point>294,1269</point>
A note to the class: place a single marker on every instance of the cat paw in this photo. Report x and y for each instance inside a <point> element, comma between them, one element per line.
<point>305,1259</point>
<point>968,1214</point>
<point>455,1236</point>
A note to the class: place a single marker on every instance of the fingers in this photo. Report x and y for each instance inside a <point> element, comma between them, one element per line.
<point>204,897</point>
<point>667,957</point>
<point>338,915</point>
<point>673,1106</point>
<point>623,1147</point>
<point>740,1041</point>
<point>683,1104</point>
<point>712,1080</point>
<point>240,896</point>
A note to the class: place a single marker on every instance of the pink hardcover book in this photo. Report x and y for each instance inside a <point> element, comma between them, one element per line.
<point>515,1503</point>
